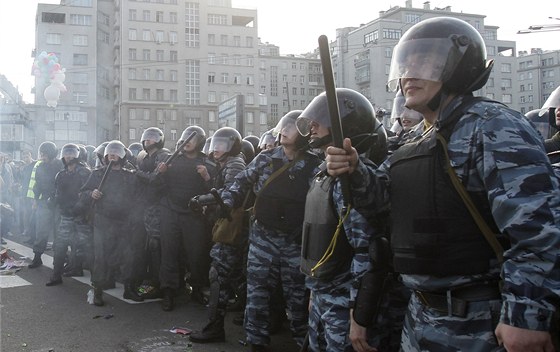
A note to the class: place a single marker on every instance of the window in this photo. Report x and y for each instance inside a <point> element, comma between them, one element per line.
<point>159,55</point>
<point>146,35</point>
<point>159,36</point>
<point>249,42</point>
<point>211,58</point>
<point>131,73</point>
<point>146,94</point>
<point>388,52</point>
<point>250,117</point>
<point>146,114</point>
<point>294,90</point>
<point>262,99</point>
<point>302,91</point>
<point>173,17</point>
<point>250,99</point>
<point>80,97</point>
<point>250,80</point>
<point>236,40</point>
<point>132,15</point>
<point>302,79</point>
<point>146,15</point>
<point>103,36</point>
<point>80,40</point>
<point>146,54</point>
<point>173,135</point>
<point>262,118</point>
<point>54,38</point>
<point>132,133</point>
<point>159,16</point>
<point>50,17</point>
<point>217,19</point>
<point>80,59</point>
<point>412,18</point>
<point>160,75</point>
<point>173,75</point>
<point>223,96</point>
<point>132,93</point>
<point>389,33</point>
<point>506,83</point>
<point>211,116</point>
<point>159,94</point>
<point>223,40</point>
<point>294,66</point>
<point>173,37</point>
<point>506,98</point>
<point>224,59</point>
<point>237,78</point>
<point>132,114</point>
<point>225,77</point>
<point>173,95</point>
<point>82,3</point>
<point>506,68</point>
<point>132,54</point>
<point>132,34</point>
<point>173,56</point>
<point>211,97</point>
<point>211,77</point>
<point>80,20</point>
<point>173,115</point>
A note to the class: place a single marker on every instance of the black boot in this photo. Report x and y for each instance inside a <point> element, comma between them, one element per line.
<point>167,302</point>
<point>36,262</point>
<point>130,292</point>
<point>98,297</point>
<point>55,280</point>
<point>212,332</point>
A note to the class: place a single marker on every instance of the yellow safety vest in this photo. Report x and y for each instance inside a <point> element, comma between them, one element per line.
<point>30,193</point>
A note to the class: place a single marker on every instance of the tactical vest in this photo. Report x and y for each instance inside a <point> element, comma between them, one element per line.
<point>281,204</point>
<point>432,231</point>
<point>30,193</point>
<point>319,226</point>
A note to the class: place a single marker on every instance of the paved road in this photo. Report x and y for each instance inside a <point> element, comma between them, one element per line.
<point>37,318</point>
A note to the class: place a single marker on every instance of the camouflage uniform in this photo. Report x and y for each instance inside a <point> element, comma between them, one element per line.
<point>274,254</point>
<point>495,151</point>
<point>332,299</point>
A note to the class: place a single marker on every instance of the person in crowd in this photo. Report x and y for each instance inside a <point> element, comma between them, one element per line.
<point>27,194</point>
<point>225,148</point>
<point>44,190</point>
<point>480,244</point>
<point>148,159</point>
<point>73,227</point>
<point>190,173</point>
<point>6,196</point>
<point>112,191</point>
<point>275,234</point>
<point>337,240</point>
<point>551,111</point>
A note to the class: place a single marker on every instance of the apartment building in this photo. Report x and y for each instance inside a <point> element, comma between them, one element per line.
<point>538,74</point>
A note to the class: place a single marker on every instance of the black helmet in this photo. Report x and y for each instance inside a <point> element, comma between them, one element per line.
<point>227,140</point>
<point>48,149</point>
<point>206,148</point>
<point>247,150</point>
<point>154,134</point>
<point>71,150</point>
<point>115,147</point>
<point>135,148</point>
<point>90,155</point>
<point>358,122</point>
<point>287,125</point>
<point>200,137</point>
<point>442,49</point>
<point>254,140</point>
<point>100,153</point>
<point>541,123</point>
<point>267,139</point>
<point>83,153</point>
<point>550,106</point>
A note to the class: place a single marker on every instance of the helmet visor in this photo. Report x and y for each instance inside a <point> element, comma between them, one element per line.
<point>221,144</point>
<point>151,135</point>
<point>70,152</point>
<point>316,112</point>
<point>430,59</point>
<point>286,126</point>
<point>116,149</point>
<point>553,101</point>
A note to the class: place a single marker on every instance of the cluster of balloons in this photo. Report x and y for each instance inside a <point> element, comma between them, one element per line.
<point>47,68</point>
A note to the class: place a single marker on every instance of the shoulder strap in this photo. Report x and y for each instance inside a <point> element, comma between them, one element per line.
<point>482,225</point>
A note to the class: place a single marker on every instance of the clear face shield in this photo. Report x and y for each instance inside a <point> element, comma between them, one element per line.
<point>70,152</point>
<point>430,59</point>
<point>552,102</point>
<point>267,141</point>
<point>115,149</point>
<point>220,144</point>
<point>286,127</point>
<point>151,135</point>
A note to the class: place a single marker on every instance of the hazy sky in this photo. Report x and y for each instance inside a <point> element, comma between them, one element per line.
<point>294,25</point>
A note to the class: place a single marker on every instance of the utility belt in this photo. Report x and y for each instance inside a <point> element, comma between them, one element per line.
<point>455,302</point>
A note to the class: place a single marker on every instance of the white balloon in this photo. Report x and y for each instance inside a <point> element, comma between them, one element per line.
<point>52,93</point>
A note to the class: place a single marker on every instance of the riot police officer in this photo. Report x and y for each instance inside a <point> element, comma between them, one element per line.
<point>112,190</point>
<point>275,233</point>
<point>478,152</point>
<point>225,149</point>
<point>44,190</point>
<point>73,228</point>
<point>191,173</point>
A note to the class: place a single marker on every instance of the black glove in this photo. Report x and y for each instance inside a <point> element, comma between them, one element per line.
<point>194,205</point>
